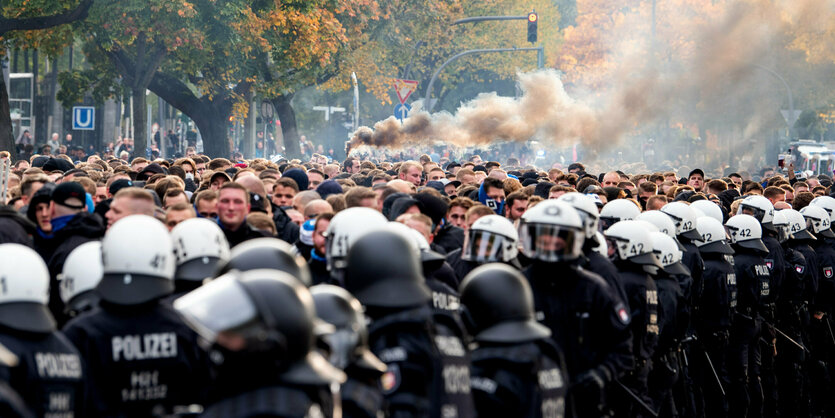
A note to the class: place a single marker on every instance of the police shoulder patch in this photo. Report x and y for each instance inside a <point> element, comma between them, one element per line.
<point>769,263</point>
<point>391,379</point>
<point>827,272</point>
<point>622,313</point>
<point>799,268</point>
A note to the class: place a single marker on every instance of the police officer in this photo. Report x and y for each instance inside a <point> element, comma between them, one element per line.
<point>586,317</point>
<point>594,261</point>
<point>631,250</point>
<point>82,272</point>
<point>38,362</point>
<point>517,370</point>
<point>199,247</point>
<point>491,239</point>
<point>266,253</point>
<point>745,395</point>
<point>666,370</point>
<point>792,316</point>
<point>713,312</point>
<point>617,210</point>
<point>260,328</point>
<point>344,229</point>
<point>428,366</point>
<point>142,359</point>
<point>347,349</point>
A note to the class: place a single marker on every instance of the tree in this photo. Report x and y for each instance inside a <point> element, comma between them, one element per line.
<point>18,21</point>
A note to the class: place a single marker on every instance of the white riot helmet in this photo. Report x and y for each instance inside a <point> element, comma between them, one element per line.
<point>817,220</point>
<point>684,217</point>
<point>601,247</point>
<point>199,246</point>
<point>616,211</point>
<point>661,221</point>
<point>745,231</point>
<point>760,208</point>
<point>781,224</point>
<point>709,209</point>
<point>552,232</point>
<point>138,259</point>
<point>344,230</point>
<point>24,290</point>
<point>827,203</point>
<point>631,242</point>
<point>492,238</point>
<point>797,225</point>
<point>586,208</point>
<point>667,251</point>
<point>81,273</point>
<point>714,238</point>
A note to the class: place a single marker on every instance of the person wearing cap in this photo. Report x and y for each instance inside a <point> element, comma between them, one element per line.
<point>233,205</point>
<point>72,225</point>
<point>696,178</point>
<point>219,178</point>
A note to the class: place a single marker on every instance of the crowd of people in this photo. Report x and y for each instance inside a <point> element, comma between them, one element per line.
<point>421,288</point>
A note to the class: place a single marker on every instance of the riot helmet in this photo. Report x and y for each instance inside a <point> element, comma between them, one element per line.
<point>81,273</point>
<point>498,305</point>
<point>199,246</point>
<point>781,224</point>
<point>760,208</point>
<point>797,225</point>
<point>667,251</point>
<point>630,241</point>
<point>714,238</point>
<point>617,210</point>
<point>817,221</point>
<point>138,261</point>
<point>709,208</point>
<point>827,203</point>
<point>587,209</point>
<point>663,222</point>
<point>267,253</point>
<point>745,231</point>
<point>343,230</point>
<point>491,238</point>
<point>551,232</point>
<point>684,217</point>
<point>24,281</point>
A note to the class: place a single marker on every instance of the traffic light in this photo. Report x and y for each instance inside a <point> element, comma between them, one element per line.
<point>533,19</point>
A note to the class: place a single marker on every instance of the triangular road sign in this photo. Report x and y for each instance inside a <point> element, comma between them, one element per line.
<point>404,88</point>
<point>791,118</point>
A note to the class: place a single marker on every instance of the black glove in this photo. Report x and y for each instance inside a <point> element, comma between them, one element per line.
<point>589,389</point>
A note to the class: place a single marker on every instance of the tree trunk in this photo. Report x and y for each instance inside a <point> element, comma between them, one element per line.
<point>287,116</point>
<point>6,135</point>
<point>140,120</point>
<point>214,130</point>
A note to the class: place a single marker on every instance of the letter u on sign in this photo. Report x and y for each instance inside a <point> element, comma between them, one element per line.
<point>83,118</point>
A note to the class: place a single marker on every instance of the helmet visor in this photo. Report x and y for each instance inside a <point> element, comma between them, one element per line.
<point>484,246</point>
<point>606,222</point>
<point>218,306</point>
<point>551,243</point>
<point>753,211</point>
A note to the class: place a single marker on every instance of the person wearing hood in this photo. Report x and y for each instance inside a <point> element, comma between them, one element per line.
<point>446,236</point>
<point>491,194</point>
<point>14,228</point>
<point>71,225</point>
<point>403,205</point>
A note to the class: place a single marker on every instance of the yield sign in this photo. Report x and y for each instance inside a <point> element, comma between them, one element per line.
<point>404,88</point>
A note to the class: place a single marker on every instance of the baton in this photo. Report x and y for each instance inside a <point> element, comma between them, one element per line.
<point>715,375</point>
<point>637,399</point>
<point>829,325</point>
<point>801,346</point>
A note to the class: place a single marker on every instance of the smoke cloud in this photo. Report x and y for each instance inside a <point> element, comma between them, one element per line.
<point>725,57</point>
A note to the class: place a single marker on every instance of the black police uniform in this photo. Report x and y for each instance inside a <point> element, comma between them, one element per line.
<point>361,394</point>
<point>776,263</point>
<point>139,358</point>
<point>818,331</point>
<point>744,359</point>
<point>643,302</point>
<point>50,374</point>
<point>518,379</point>
<point>603,267</point>
<point>280,401</point>
<point>428,367</point>
<point>712,320</point>
<point>666,372</point>
<point>793,319</point>
<point>589,324</point>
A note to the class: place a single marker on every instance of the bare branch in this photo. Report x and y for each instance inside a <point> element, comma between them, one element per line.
<point>44,22</point>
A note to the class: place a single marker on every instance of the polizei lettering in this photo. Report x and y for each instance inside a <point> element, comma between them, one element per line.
<point>144,347</point>
<point>58,365</point>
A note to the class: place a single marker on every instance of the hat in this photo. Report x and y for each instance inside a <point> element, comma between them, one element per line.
<point>437,185</point>
<point>480,168</point>
<point>455,183</point>
<point>300,177</point>
<point>432,206</point>
<point>306,232</point>
<point>528,182</point>
<point>530,175</point>
<point>219,174</point>
<point>575,166</point>
<point>43,195</point>
<point>119,185</point>
<point>450,165</point>
<point>150,170</point>
<point>543,189</point>
<point>69,190</point>
<point>39,161</point>
<point>58,164</point>
<point>327,188</point>
<point>401,205</point>
<point>389,201</point>
<point>696,171</point>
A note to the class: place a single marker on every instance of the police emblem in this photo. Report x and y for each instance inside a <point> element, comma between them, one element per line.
<point>827,272</point>
<point>390,380</point>
<point>799,269</point>
<point>622,313</point>
<point>769,264</point>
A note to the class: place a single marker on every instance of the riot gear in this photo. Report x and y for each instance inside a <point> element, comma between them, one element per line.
<point>82,272</point>
<point>745,231</point>
<point>490,239</point>
<point>199,246</point>
<point>617,210</point>
<point>551,232</point>
<point>667,251</point>
<point>266,253</point>
<point>383,270</point>
<point>709,208</point>
<point>760,208</point>
<point>25,290</point>
<point>499,305</point>
<point>818,221</point>
<point>684,218</point>
<point>661,221</point>
<point>713,236</point>
<point>630,241</point>
<point>587,210</point>
<point>797,225</point>
<point>344,229</point>
<point>781,224</point>
<point>138,261</point>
